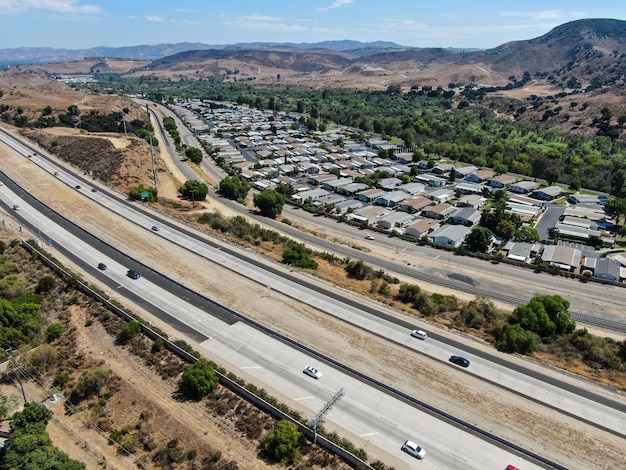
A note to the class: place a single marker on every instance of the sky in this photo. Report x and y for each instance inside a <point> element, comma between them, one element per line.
<point>80,24</point>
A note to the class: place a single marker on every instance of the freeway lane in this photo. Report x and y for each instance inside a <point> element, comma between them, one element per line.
<point>385,425</point>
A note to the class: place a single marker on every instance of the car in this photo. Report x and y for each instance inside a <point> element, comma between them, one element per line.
<point>102,266</point>
<point>419,334</point>
<point>369,237</point>
<point>56,173</point>
<point>413,449</point>
<point>511,467</point>
<point>459,361</point>
<point>16,207</point>
<point>156,228</point>
<point>77,186</point>
<point>133,274</point>
<point>312,372</point>
<point>94,190</point>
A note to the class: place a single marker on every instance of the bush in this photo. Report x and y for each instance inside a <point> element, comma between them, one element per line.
<point>283,444</point>
<point>198,379</point>
<point>297,255</point>
<point>514,339</point>
<point>129,331</point>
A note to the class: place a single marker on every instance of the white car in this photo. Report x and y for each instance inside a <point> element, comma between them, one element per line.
<point>413,449</point>
<point>313,372</point>
<point>419,334</point>
<point>369,237</point>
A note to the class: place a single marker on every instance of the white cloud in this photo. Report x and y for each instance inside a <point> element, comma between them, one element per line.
<point>155,19</point>
<point>336,4</point>
<point>269,23</point>
<point>543,15</point>
<point>60,6</point>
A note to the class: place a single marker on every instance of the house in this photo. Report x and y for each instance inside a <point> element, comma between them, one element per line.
<point>549,193</point>
<point>521,251</point>
<point>431,180</point>
<point>395,219</point>
<point>370,195</point>
<point>442,168</point>
<point>523,187</point>
<point>603,268</point>
<point>469,188</point>
<point>587,199</point>
<point>412,188</point>
<point>467,216</point>
<point>481,176</point>
<point>368,214</point>
<point>421,227</point>
<point>350,204</point>
<point>415,204</point>
<point>575,231</point>
<point>404,157</point>
<point>450,235</point>
<point>391,198</point>
<point>464,171</point>
<point>501,181</point>
<point>471,200</point>
<point>441,195</point>
<point>390,183</point>
<point>351,189</point>
<point>562,256</point>
<point>439,211</point>
<point>318,180</point>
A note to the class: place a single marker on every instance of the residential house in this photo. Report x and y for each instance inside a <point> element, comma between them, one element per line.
<point>450,235</point>
<point>412,189</point>
<point>523,187</point>
<point>464,171</point>
<point>390,183</point>
<point>441,195</point>
<point>603,268</point>
<point>562,256</point>
<point>467,216</point>
<point>415,204</point>
<point>481,176</point>
<point>391,198</point>
<point>576,231</point>
<point>334,185</point>
<point>501,181</point>
<point>395,219</point>
<point>549,193</point>
<point>318,180</point>
<point>469,188</point>
<point>586,199</point>
<point>368,214</point>
<point>471,200</point>
<point>421,227</point>
<point>431,180</point>
<point>348,205</point>
<point>439,211</point>
<point>442,169</point>
<point>404,157</point>
<point>370,195</point>
<point>521,251</point>
<point>351,189</point>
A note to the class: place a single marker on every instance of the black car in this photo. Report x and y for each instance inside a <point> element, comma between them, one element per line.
<point>459,361</point>
<point>133,274</point>
<point>102,266</point>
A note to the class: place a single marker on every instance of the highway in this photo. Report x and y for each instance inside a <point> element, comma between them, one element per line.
<point>394,332</point>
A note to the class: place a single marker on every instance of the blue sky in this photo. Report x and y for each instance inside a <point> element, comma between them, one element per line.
<point>77,24</point>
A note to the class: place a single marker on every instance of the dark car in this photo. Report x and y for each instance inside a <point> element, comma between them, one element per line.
<point>459,361</point>
<point>133,274</point>
<point>77,186</point>
<point>102,266</point>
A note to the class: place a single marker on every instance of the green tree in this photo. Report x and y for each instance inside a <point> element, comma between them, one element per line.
<point>527,234</point>
<point>546,315</point>
<point>234,187</point>
<point>269,202</point>
<point>514,339</point>
<point>137,194</point>
<point>505,229</point>
<point>408,293</point>
<point>194,190</point>
<point>198,379</point>
<point>90,383</point>
<point>479,239</point>
<point>297,255</point>
<point>194,154</point>
<point>129,331</point>
<point>283,444</point>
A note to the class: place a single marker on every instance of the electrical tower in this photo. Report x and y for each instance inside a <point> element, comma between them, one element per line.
<point>319,417</point>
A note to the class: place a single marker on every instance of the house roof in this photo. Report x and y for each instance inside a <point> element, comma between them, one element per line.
<point>562,255</point>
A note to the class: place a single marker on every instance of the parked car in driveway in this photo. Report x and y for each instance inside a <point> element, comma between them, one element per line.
<point>459,361</point>
<point>312,372</point>
<point>413,449</point>
<point>419,334</point>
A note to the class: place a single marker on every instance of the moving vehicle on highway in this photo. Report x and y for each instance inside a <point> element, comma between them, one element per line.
<point>419,334</point>
<point>459,361</point>
<point>133,274</point>
<point>156,228</point>
<point>413,449</point>
<point>312,372</point>
<point>16,207</point>
<point>102,266</point>
<point>369,237</point>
